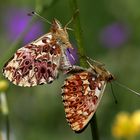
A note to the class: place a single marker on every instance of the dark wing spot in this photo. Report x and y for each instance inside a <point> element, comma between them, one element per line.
<point>43,70</point>
<point>49,82</point>
<point>27,62</point>
<point>24,57</point>
<point>41,83</point>
<point>30,67</point>
<point>46,48</point>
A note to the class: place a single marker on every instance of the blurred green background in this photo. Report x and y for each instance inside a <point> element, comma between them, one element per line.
<point>111,32</point>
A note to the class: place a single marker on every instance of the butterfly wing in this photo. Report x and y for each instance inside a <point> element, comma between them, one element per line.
<point>34,64</point>
<point>81,95</point>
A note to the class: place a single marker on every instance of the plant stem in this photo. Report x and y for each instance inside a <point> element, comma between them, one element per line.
<point>7,122</point>
<point>94,128</point>
<point>5,112</point>
<point>80,42</point>
<point>78,32</point>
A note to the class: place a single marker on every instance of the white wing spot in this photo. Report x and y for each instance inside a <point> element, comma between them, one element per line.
<point>93,79</point>
<point>85,113</point>
<point>97,92</point>
<point>53,47</point>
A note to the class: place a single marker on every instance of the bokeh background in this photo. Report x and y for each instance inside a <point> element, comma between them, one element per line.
<point>111,32</point>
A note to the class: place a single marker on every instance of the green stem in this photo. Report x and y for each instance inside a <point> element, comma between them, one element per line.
<point>5,112</point>
<point>7,122</point>
<point>78,32</point>
<point>94,128</point>
<point>80,42</point>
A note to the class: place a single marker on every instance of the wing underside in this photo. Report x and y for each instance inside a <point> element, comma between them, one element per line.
<point>81,95</point>
<point>34,64</point>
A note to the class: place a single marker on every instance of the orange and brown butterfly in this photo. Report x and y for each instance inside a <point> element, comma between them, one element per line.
<point>82,92</point>
<point>39,61</point>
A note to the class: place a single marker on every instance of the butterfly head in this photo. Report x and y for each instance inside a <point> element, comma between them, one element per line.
<point>60,33</point>
<point>56,25</point>
<point>57,29</point>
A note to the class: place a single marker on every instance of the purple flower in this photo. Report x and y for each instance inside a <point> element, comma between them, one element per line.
<point>17,20</point>
<point>72,55</point>
<point>114,35</point>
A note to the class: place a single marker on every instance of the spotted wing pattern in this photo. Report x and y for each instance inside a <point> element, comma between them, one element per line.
<point>35,63</point>
<point>81,94</point>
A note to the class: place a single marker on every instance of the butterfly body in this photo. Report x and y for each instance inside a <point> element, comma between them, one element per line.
<point>81,94</point>
<point>39,62</point>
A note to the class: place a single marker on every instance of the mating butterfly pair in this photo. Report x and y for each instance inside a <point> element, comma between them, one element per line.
<point>40,61</point>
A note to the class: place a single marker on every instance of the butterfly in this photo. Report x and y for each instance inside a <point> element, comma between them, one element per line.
<point>39,61</point>
<point>82,92</point>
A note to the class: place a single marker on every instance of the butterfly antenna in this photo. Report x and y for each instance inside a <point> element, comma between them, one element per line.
<point>71,20</point>
<point>115,99</point>
<point>94,61</point>
<point>127,88</point>
<point>42,18</point>
<point>90,64</point>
